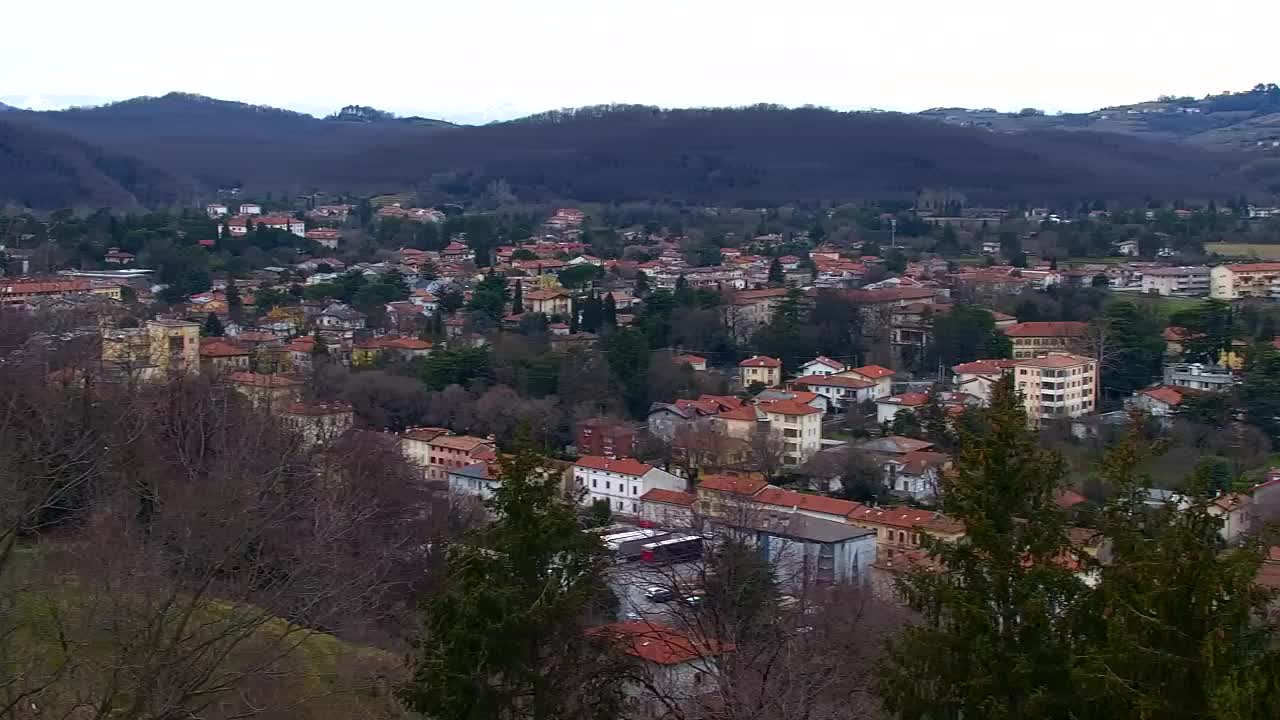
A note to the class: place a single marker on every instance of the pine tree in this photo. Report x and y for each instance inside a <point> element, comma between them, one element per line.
<point>994,640</point>
<point>517,299</point>
<point>1176,628</point>
<point>505,636</point>
<point>642,284</point>
<point>776,276</point>
<point>212,326</point>
<point>235,305</point>
<point>609,312</point>
<point>592,313</point>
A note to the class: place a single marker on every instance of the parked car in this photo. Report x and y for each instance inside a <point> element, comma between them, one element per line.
<point>659,594</point>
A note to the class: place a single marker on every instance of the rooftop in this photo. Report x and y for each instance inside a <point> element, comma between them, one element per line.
<point>622,466</point>
<point>1047,329</point>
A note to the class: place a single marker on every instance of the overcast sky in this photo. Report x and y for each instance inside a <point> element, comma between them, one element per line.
<point>479,60</point>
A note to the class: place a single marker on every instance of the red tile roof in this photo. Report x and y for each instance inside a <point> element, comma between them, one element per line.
<point>425,434</point>
<point>624,466</point>
<point>736,484</point>
<point>904,517</point>
<point>889,294</point>
<point>804,501</point>
<point>761,361</point>
<point>659,644</point>
<point>260,380</point>
<point>746,412</point>
<point>1055,360</point>
<point>834,381</point>
<point>873,372</point>
<point>789,407</point>
<point>1047,329</point>
<point>670,497</point>
<point>1165,394</point>
<point>1068,498</point>
<point>1255,267</point>
<point>912,399</point>
<point>823,360</point>
<point>983,367</point>
<point>404,343</point>
<point>217,347</point>
<point>690,359</point>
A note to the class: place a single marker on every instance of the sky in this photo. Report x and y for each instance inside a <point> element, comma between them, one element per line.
<point>482,60</point>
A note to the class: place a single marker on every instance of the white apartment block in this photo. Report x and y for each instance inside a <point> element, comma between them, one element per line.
<point>621,481</point>
<point>1179,281</point>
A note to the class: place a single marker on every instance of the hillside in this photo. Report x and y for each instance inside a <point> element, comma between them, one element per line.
<point>752,156</point>
<point>772,155</point>
<point>219,143</point>
<point>42,167</point>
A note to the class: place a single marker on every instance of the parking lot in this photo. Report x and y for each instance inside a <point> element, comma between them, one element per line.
<point>630,580</point>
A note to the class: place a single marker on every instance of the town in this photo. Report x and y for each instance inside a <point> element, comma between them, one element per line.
<point>813,388</point>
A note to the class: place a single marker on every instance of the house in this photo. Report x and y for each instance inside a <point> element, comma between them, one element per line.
<point>1159,401</point>
<point>822,366</point>
<point>548,302</point>
<point>218,355</point>
<point>1057,385</point>
<point>215,210</point>
<point>749,310</point>
<point>693,361</point>
<point>115,256</point>
<point>283,222</point>
<point>406,348</point>
<point>882,377</point>
<point>893,445</point>
<point>437,451</point>
<point>341,318</point>
<point>154,350</point>
<point>669,508</point>
<point>805,551</point>
<point>318,423</point>
<point>621,481</point>
<point>1036,338</point>
<point>812,399</point>
<point>1246,280</point>
<point>900,528</point>
<point>760,369</point>
<point>326,237</point>
<point>21,291</point>
<point>271,390</point>
<point>480,479</point>
<point>888,408</point>
<point>249,209</point>
<point>840,391</point>
<point>673,667</point>
<point>916,475</point>
<point>1236,512</point>
<point>729,495</point>
<point>609,438</point>
<point>1187,281</point>
<point>1195,376</point>
<point>979,377</point>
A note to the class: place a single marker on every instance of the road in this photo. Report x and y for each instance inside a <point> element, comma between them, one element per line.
<point>630,580</point>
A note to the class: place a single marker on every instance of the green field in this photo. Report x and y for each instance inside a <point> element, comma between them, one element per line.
<point>1245,250</point>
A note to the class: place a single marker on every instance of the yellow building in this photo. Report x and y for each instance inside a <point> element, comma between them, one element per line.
<point>760,369</point>
<point>1232,282</point>
<point>154,350</point>
<point>1057,385</point>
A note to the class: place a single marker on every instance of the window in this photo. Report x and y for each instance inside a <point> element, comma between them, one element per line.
<point>594,482</point>
<point>634,488</point>
<point>607,486</point>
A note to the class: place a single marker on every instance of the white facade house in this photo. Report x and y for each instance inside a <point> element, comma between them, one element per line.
<point>215,210</point>
<point>840,391</point>
<point>881,376</point>
<point>477,479</point>
<point>282,222</point>
<point>250,209</point>
<point>621,481</point>
<point>822,366</point>
<point>977,378</point>
<point>798,424</point>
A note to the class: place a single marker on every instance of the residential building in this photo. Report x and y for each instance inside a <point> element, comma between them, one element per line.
<point>218,355</point>
<point>621,481</point>
<point>674,668</point>
<point>1159,401</point>
<point>749,310</point>
<point>269,390</point>
<point>822,365</point>
<point>215,210</point>
<point>799,426</point>
<point>342,319</point>
<point>283,222</point>
<point>1246,280</point>
<point>439,453</point>
<point>609,438</point>
<point>1057,385</point>
<point>728,494</point>
<point>479,479</point>
<point>1187,281</point>
<point>669,508</point>
<point>318,423</point>
<point>812,399</point>
<point>977,378</point>
<point>882,377</point>
<point>1236,512</point>
<point>1036,338</point>
<point>549,302</point>
<point>1194,376</point>
<point>916,475</point>
<point>665,420</point>
<point>249,209</point>
<point>900,528</point>
<point>840,391</point>
<point>888,408</point>
<point>694,361</point>
<point>24,290</point>
<point>326,237</point>
<point>157,348</point>
<point>760,369</point>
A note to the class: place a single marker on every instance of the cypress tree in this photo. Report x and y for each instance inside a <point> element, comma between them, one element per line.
<point>212,326</point>
<point>609,313</point>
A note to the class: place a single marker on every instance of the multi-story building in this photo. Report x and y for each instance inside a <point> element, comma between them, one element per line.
<point>318,423</point>
<point>548,302</point>
<point>283,222</point>
<point>609,438</point>
<point>1187,281</point>
<point>977,378</point>
<point>153,350</point>
<point>751,309</point>
<point>1037,338</point>
<point>840,391</point>
<point>1195,376</point>
<point>880,376</point>
<point>24,290</point>
<point>621,481</point>
<point>1248,280</point>
<point>437,452</point>
<point>760,369</point>
<point>1057,385</point>
<point>798,425</point>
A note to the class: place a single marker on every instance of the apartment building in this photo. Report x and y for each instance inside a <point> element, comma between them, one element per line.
<point>1248,280</point>
<point>1057,385</point>
<point>1186,281</point>
<point>1037,338</point>
<point>621,481</point>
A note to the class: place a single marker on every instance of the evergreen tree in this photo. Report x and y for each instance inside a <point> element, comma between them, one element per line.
<point>628,356</point>
<point>517,299</point>
<point>235,305</point>
<point>592,313</point>
<point>490,296</point>
<point>1176,628</point>
<point>642,284</point>
<point>741,593</point>
<point>994,640</point>
<point>505,636</point>
<point>212,326</point>
<point>684,296</point>
<point>609,312</point>
<point>574,313</point>
<point>776,275</point>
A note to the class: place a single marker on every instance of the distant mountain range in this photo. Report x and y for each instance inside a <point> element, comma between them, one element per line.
<point>179,147</point>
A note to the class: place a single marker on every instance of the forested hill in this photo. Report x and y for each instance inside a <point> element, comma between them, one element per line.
<point>745,156</point>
